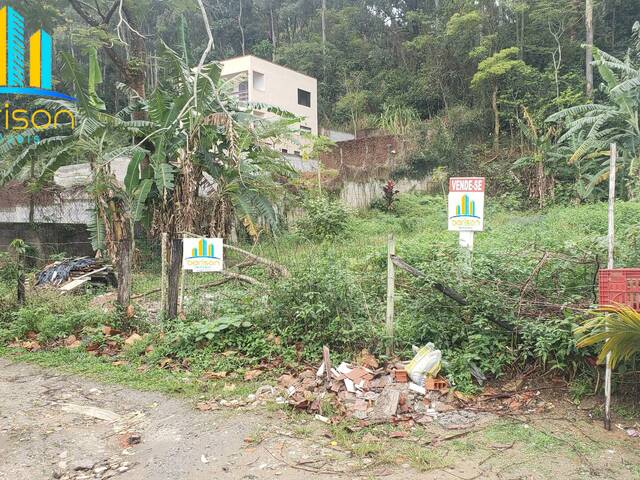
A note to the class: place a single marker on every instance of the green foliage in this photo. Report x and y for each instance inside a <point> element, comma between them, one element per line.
<point>597,125</point>
<point>337,292</point>
<point>322,304</point>
<point>323,218</point>
<point>448,140</point>
<point>618,326</point>
<point>551,343</point>
<point>211,329</point>
<point>52,319</point>
<point>493,69</point>
<point>230,161</point>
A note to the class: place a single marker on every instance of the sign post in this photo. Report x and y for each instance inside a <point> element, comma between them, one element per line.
<point>611,243</point>
<point>466,210</point>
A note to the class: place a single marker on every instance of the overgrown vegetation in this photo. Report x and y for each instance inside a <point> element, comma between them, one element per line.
<point>462,96</point>
<point>337,289</point>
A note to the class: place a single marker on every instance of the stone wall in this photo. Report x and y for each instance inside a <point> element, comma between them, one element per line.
<point>363,158</point>
<point>48,238</point>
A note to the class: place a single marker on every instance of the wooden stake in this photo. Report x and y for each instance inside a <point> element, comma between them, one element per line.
<point>391,284</point>
<point>21,290</point>
<point>327,364</point>
<point>173,283</point>
<point>466,243</point>
<point>611,243</point>
<point>164,271</point>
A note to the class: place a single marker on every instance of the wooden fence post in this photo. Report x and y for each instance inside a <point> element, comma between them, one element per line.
<point>611,243</point>
<point>21,293</point>
<point>391,281</point>
<point>20,249</point>
<point>164,272</point>
<point>173,287</point>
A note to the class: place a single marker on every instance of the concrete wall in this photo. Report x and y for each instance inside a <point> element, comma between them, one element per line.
<point>48,238</point>
<point>360,195</point>
<point>336,135</point>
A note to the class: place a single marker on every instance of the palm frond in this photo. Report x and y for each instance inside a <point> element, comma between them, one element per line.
<point>618,326</point>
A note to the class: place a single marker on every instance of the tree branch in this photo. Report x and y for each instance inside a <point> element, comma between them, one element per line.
<point>77,6</point>
<point>111,11</point>
<point>444,289</point>
<point>120,64</point>
<point>282,270</point>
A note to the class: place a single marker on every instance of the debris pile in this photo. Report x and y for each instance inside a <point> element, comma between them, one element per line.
<point>71,274</point>
<point>366,392</point>
<point>374,394</point>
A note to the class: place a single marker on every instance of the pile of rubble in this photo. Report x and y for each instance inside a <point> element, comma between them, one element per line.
<point>376,394</point>
<point>366,392</point>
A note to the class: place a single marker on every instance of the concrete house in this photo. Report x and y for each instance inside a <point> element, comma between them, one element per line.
<point>255,80</point>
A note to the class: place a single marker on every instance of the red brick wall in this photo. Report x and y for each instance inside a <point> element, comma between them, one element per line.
<point>362,157</point>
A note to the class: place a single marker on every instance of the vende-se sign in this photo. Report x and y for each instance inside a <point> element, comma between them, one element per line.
<point>466,204</point>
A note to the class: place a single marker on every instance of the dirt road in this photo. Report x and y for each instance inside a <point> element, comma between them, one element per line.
<point>49,430</point>
<point>54,425</point>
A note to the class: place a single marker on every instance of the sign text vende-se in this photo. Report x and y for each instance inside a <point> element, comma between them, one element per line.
<point>466,204</point>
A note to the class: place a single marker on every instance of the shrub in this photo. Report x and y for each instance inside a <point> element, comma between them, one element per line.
<point>324,218</point>
<point>322,304</point>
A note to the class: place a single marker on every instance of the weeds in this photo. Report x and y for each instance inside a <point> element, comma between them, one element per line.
<point>336,296</point>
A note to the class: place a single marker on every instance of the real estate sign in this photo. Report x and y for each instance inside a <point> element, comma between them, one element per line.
<point>466,204</point>
<point>203,254</point>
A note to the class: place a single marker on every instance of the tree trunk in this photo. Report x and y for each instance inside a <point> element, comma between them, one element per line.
<point>175,270</point>
<point>588,20</point>
<point>324,26</point>
<point>274,39</point>
<point>324,40</point>
<point>241,27</point>
<point>123,261</point>
<point>496,118</point>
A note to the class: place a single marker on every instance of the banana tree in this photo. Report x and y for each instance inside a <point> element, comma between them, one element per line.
<point>98,138</point>
<point>211,159</point>
<point>615,120</point>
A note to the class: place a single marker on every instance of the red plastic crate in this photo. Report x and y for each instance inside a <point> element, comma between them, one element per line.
<point>620,285</point>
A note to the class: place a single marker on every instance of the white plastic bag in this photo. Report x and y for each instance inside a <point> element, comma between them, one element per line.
<point>425,364</point>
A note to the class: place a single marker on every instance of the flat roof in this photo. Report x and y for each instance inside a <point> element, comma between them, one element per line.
<point>268,61</point>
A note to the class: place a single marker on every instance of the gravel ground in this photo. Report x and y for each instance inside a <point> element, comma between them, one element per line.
<point>49,429</point>
<point>61,426</point>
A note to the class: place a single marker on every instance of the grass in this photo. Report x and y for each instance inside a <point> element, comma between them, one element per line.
<point>420,226</point>
<point>425,458</point>
<point>79,362</point>
<point>531,438</point>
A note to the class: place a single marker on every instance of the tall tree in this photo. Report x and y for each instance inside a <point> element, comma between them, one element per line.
<point>492,73</point>
<point>588,23</point>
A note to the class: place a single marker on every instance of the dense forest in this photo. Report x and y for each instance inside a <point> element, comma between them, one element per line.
<point>483,76</point>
